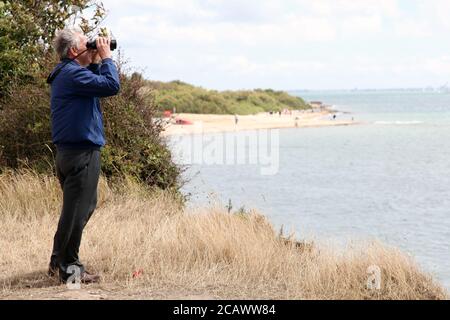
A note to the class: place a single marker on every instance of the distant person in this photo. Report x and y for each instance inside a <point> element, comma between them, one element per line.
<point>334,116</point>
<point>236,120</point>
<point>279,112</point>
<point>77,84</point>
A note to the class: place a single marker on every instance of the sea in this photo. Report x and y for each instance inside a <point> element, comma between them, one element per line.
<point>387,177</point>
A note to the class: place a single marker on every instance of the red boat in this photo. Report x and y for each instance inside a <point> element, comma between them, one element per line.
<point>183,121</point>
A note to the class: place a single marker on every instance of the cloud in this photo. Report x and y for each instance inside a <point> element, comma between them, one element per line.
<point>253,22</point>
<point>362,25</point>
<point>214,42</point>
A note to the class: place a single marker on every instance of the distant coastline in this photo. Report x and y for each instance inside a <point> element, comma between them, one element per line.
<point>442,89</point>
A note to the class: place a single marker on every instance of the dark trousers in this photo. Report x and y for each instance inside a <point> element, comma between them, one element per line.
<point>78,172</point>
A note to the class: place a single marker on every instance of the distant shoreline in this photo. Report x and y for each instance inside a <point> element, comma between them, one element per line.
<point>214,123</point>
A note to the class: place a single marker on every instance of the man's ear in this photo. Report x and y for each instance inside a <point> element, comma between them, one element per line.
<point>73,52</point>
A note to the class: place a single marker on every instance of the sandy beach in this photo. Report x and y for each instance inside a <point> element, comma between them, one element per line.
<point>208,123</point>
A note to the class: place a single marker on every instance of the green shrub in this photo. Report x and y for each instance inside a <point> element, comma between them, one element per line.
<point>134,146</point>
<point>186,98</point>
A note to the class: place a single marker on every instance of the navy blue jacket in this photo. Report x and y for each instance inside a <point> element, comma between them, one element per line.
<point>77,121</point>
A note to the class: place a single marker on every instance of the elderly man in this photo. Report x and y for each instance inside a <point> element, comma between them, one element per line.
<point>83,76</point>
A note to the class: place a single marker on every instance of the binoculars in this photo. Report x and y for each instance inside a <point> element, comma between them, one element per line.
<point>93,45</point>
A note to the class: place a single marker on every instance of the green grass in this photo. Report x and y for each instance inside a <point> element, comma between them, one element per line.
<point>187,98</point>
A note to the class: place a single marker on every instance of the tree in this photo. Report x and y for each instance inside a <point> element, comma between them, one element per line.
<point>26,30</point>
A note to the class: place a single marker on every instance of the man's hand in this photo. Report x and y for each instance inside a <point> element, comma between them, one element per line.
<point>103,47</point>
<point>95,57</point>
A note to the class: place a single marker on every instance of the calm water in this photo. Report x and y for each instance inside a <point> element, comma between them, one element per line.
<point>388,178</point>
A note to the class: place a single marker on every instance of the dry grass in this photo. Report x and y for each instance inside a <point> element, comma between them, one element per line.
<point>207,253</point>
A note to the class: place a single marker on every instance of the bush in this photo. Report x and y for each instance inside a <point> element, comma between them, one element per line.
<point>189,99</point>
<point>134,146</point>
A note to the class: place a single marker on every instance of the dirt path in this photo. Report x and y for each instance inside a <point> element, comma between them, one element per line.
<point>103,292</point>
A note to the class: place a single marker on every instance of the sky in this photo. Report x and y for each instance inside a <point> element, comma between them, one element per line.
<point>286,44</point>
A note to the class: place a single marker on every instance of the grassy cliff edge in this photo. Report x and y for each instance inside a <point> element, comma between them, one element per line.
<point>146,245</point>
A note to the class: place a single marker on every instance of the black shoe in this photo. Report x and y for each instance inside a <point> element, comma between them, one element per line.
<point>85,278</point>
<point>52,270</point>
<point>88,278</point>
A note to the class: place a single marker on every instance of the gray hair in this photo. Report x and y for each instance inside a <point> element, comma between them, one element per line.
<point>66,39</point>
